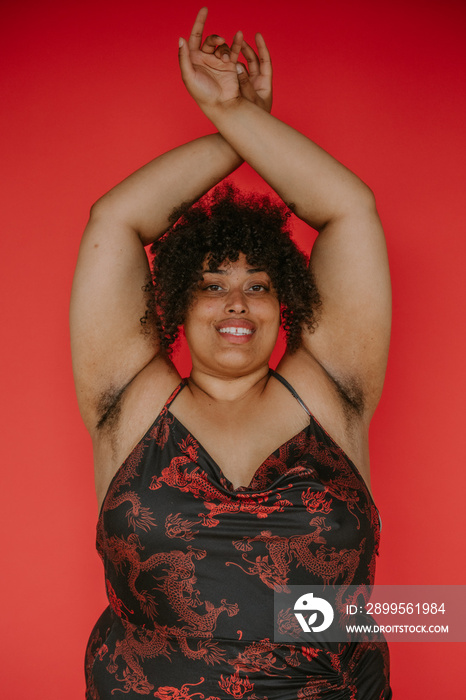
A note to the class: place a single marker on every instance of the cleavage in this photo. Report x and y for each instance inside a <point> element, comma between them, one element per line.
<point>240,447</point>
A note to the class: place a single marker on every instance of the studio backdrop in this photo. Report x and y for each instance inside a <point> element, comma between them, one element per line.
<point>91,91</point>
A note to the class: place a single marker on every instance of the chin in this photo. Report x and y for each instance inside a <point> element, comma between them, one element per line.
<point>234,363</point>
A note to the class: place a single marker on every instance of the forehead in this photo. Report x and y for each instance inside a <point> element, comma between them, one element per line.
<point>228,266</point>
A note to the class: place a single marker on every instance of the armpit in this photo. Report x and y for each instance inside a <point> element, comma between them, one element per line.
<point>109,408</point>
<point>351,392</point>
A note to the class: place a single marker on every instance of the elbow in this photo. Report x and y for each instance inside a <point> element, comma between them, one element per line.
<point>362,198</point>
<point>361,203</point>
<point>110,213</point>
<point>355,201</point>
<point>98,209</point>
<point>105,212</point>
<point>367,197</point>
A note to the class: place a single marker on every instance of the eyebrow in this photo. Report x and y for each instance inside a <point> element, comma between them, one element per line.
<point>225,272</point>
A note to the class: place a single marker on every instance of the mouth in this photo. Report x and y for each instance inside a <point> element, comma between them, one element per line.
<point>236,331</point>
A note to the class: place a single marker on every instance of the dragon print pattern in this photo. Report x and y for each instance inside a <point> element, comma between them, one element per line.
<point>192,564</point>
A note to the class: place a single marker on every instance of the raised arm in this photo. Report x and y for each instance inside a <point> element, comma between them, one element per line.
<point>349,258</point>
<point>110,346</point>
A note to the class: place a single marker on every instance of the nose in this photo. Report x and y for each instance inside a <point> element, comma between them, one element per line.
<point>236,302</point>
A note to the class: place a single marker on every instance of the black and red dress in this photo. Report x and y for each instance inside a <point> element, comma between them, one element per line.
<point>191,566</point>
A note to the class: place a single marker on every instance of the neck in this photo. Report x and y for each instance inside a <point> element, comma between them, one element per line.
<point>228,389</point>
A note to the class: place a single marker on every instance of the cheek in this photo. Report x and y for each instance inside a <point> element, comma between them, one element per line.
<point>199,315</point>
<point>274,314</point>
<point>203,311</point>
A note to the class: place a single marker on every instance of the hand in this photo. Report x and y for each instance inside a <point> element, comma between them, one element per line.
<point>256,86</point>
<point>212,74</point>
<point>209,69</point>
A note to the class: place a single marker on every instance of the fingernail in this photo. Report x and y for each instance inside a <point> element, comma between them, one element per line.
<point>239,68</point>
<point>180,42</point>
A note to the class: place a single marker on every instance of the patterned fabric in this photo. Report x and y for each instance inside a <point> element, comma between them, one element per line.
<point>191,566</point>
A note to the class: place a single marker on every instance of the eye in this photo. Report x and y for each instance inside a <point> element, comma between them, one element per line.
<point>258,288</point>
<point>212,288</point>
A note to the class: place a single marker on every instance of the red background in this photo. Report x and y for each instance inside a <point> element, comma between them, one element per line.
<point>90,91</point>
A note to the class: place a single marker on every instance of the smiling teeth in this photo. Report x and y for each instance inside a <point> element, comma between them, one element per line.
<point>236,331</point>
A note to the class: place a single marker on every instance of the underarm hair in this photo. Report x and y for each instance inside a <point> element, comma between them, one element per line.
<point>351,392</point>
<point>109,408</point>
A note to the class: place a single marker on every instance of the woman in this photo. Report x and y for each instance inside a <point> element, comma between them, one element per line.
<point>238,481</point>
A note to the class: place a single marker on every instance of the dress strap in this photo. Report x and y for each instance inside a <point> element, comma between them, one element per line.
<point>174,394</point>
<point>303,405</point>
<point>291,390</point>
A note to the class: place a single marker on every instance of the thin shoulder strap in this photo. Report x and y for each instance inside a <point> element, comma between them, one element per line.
<point>174,394</point>
<point>291,390</point>
<point>303,405</point>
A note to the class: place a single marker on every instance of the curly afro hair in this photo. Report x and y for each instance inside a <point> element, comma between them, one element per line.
<point>216,229</point>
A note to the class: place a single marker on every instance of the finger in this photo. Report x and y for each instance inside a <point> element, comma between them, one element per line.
<point>236,46</point>
<point>223,52</point>
<point>245,86</point>
<point>264,56</point>
<point>211,43</point>
<point>187,70</point>
<point>252,59</point>
<point>195,38</point>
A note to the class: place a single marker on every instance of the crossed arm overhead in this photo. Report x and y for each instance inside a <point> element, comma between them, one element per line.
<point>348,259</point>
<point>109,345</point>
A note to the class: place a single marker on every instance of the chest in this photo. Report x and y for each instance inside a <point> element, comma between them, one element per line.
<point>240,442</point>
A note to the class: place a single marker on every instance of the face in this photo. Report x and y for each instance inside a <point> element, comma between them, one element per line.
<point>232,325</point>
